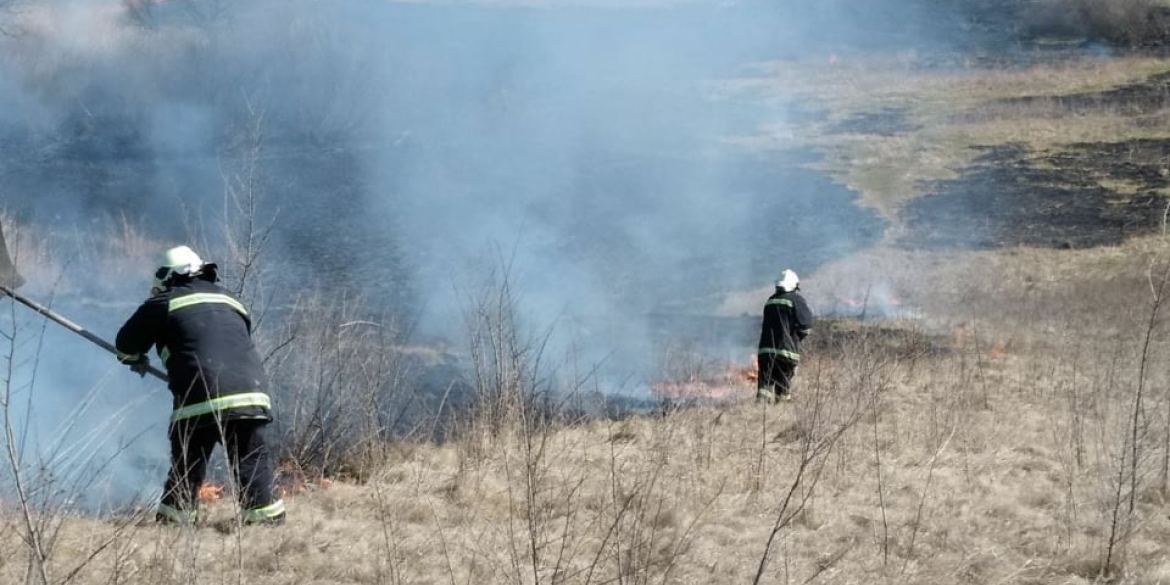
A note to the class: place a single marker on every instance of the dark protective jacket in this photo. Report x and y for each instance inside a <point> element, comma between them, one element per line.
<point>203,336</point>
<point>787,321</point>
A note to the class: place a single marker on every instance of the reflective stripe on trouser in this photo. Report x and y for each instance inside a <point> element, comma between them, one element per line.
<point>222,403</point>
<point>792,355</point>
<point>771,396</point>
<point>177,515</point>
<point>245,442</point>
<point>264,513</point>
<point>774,376</point>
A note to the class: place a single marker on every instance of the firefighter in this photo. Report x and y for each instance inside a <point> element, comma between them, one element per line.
<point>787,321</point>
<point>203,336</point>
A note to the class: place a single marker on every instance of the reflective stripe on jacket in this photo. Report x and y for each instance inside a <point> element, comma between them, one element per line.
<point>185,301</point>
<point>203,336</point>
<point>223,403</point>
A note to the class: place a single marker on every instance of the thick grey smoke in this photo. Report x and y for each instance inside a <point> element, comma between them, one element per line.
<point>405,148</point>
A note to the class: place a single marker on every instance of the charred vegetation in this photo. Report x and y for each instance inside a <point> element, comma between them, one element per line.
<point>1010,197</point>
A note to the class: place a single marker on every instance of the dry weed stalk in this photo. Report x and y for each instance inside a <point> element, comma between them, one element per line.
<point>341,380</point>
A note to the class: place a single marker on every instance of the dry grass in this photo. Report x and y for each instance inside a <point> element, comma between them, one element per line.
<point>868,83</point>
<point>978,484</point>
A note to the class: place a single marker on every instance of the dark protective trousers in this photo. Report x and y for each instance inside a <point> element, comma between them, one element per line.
<point>247,449</point>
<point>775,373</point>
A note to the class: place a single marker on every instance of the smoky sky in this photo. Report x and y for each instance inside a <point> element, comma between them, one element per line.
<point>398,140</point>
<point>399,147</point>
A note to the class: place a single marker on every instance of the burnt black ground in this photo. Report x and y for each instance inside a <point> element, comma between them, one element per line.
<point>883,122</point>
<point>1008,198</point>
<point>1063,199</point>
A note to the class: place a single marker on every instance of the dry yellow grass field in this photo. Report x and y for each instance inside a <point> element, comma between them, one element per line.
<point>961,466</point>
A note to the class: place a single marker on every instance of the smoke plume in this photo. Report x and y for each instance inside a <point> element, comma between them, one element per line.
<point>402,150</point>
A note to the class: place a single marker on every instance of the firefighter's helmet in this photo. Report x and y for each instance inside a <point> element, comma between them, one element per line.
<point>178,260</point>
<point>788,281</point>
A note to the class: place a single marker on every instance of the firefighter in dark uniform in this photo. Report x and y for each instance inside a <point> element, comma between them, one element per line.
<point>204,338</point>
<point>787,321</point>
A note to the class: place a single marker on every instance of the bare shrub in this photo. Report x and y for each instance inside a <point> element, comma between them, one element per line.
<point>247,222</point>
<point>340,385</point>
<point>513,390</point>
<point>511,413</point>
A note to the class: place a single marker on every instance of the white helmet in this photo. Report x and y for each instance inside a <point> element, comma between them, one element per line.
<point>178,260</point>
<point>788,281</point>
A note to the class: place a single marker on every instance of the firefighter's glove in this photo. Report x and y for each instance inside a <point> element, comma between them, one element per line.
<point>139,365</point>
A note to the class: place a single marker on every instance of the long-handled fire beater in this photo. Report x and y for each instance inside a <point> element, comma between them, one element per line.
<point>10,280</point>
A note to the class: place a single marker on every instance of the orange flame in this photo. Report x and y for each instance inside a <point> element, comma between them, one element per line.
<point>722,387</point>
<point>209,492</point>
<point>751,373</point>
<point>292,480</point>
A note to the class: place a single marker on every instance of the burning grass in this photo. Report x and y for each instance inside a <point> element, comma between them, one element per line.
<point>209,493</point>
<point>733,383</point>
